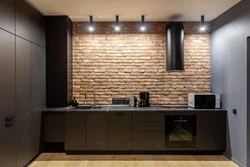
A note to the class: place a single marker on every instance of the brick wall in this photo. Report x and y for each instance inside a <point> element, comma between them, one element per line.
<point>121,64</point>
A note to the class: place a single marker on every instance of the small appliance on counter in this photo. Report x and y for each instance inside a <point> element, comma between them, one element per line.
<point>204,100</point>
<point>144,99</point>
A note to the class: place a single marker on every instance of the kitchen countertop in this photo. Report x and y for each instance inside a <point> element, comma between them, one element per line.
<point>117,108</point>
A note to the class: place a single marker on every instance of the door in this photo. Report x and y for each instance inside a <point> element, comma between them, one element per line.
<point>7,145</point>
<point>7,15</point>
<point>96,131</point>
<point>7,75</point>
<point>23,77</point>
<point>119,131</point>
<point>38,78</point>
<point>75,131</point>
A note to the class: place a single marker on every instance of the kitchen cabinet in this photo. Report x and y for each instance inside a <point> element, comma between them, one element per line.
<point>148,131</point>
<point>23,17</point>
<point>8,15</point>
<point>28,138</point>
<point>75,131</point>
<point>119,131</point>
<point>7,75</point>
<point>38,78</point>
<point>37,28</point>
<point>59,52</point>
<point>54,127</point>
<point>96,131</point>
<point>7,145</point>
<point>211,131</point>
<point>23,77</point>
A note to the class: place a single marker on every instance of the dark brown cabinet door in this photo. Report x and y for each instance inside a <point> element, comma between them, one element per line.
<point>28,138</point>
<point>7,15</point>
<point>7,75</point>
<point>119,131</point>
<point>38,78</point>
<point>23,74</point>
<point>211,130</point>
<point>96,131</point>
<point>148,131</point>
<point>75,131</point>
<point>37,34</point>
<point>23,17</point>
<point>8,146</point>
<point>54,127</point>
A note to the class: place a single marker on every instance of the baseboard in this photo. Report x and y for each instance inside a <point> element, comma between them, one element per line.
<point>234,160</point>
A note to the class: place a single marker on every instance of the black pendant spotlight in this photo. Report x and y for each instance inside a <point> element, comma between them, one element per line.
<point>203,26</point>
<point>117,24</point>
<point>143,27</point>
<point>91,26</point>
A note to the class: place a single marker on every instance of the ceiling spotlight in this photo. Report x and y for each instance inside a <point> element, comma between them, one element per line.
<point>117,24</point>
<point>203,27</point>
<point>91,27</point>
<point>143,27</point>
<point>117,28</point>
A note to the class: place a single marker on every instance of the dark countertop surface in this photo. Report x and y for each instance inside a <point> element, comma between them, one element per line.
<point>117,108</point>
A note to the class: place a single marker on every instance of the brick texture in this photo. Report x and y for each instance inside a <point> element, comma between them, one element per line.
<point>122,64</point>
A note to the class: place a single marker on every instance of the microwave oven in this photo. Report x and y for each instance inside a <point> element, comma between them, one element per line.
<point>204,100</point>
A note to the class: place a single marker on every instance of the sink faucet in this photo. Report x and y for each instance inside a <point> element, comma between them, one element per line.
<point>94,97</point>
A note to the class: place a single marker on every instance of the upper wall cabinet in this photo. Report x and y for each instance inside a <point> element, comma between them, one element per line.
<point>7,15</point>
<point>7,75</point>
<point>37,33</point>
<point>23,17</point>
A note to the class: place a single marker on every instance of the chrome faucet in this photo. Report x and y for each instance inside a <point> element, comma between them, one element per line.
<point>94,97</point>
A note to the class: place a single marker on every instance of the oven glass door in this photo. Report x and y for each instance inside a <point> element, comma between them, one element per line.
<point>180,134</point>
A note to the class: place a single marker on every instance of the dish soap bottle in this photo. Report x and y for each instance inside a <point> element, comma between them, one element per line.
<point>74,102</point>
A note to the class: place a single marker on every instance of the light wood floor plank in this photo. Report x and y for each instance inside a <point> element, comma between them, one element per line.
<point>63,160</point>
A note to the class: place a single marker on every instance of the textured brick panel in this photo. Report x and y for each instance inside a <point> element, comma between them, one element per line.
<point>122,64</point>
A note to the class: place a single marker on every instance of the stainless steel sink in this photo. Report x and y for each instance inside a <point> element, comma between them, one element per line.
<point>87,107</point>
<point>96,107</point>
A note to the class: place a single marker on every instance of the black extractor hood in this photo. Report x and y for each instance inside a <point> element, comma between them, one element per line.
<point>175,46</point>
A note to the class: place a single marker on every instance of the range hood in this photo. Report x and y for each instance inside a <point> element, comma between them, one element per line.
<point>175,46</point>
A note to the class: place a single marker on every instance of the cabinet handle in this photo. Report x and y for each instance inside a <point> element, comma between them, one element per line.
<point>8,124</point>
<point>119,113</point>
<point>9,119</point>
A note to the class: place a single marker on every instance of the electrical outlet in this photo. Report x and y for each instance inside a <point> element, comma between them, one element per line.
<point>234,111</point>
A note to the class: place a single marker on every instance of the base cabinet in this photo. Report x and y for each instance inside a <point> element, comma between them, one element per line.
<point>148,131</point>
<point>75,131</point>
<point>211,131</point>
<point>119,131</point>
<point>96,131</point>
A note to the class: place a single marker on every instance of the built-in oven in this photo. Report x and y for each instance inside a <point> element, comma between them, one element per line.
<point>180,131</point>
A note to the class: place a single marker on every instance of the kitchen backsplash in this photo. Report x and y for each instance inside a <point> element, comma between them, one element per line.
<point>122,64</point>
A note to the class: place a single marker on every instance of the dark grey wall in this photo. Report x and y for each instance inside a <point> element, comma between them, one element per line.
<point>229,74</point>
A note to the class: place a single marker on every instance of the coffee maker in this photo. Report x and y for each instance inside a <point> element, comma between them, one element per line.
<point>144,99</point>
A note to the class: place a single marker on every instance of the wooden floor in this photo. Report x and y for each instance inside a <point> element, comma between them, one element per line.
<point>63,160</point>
